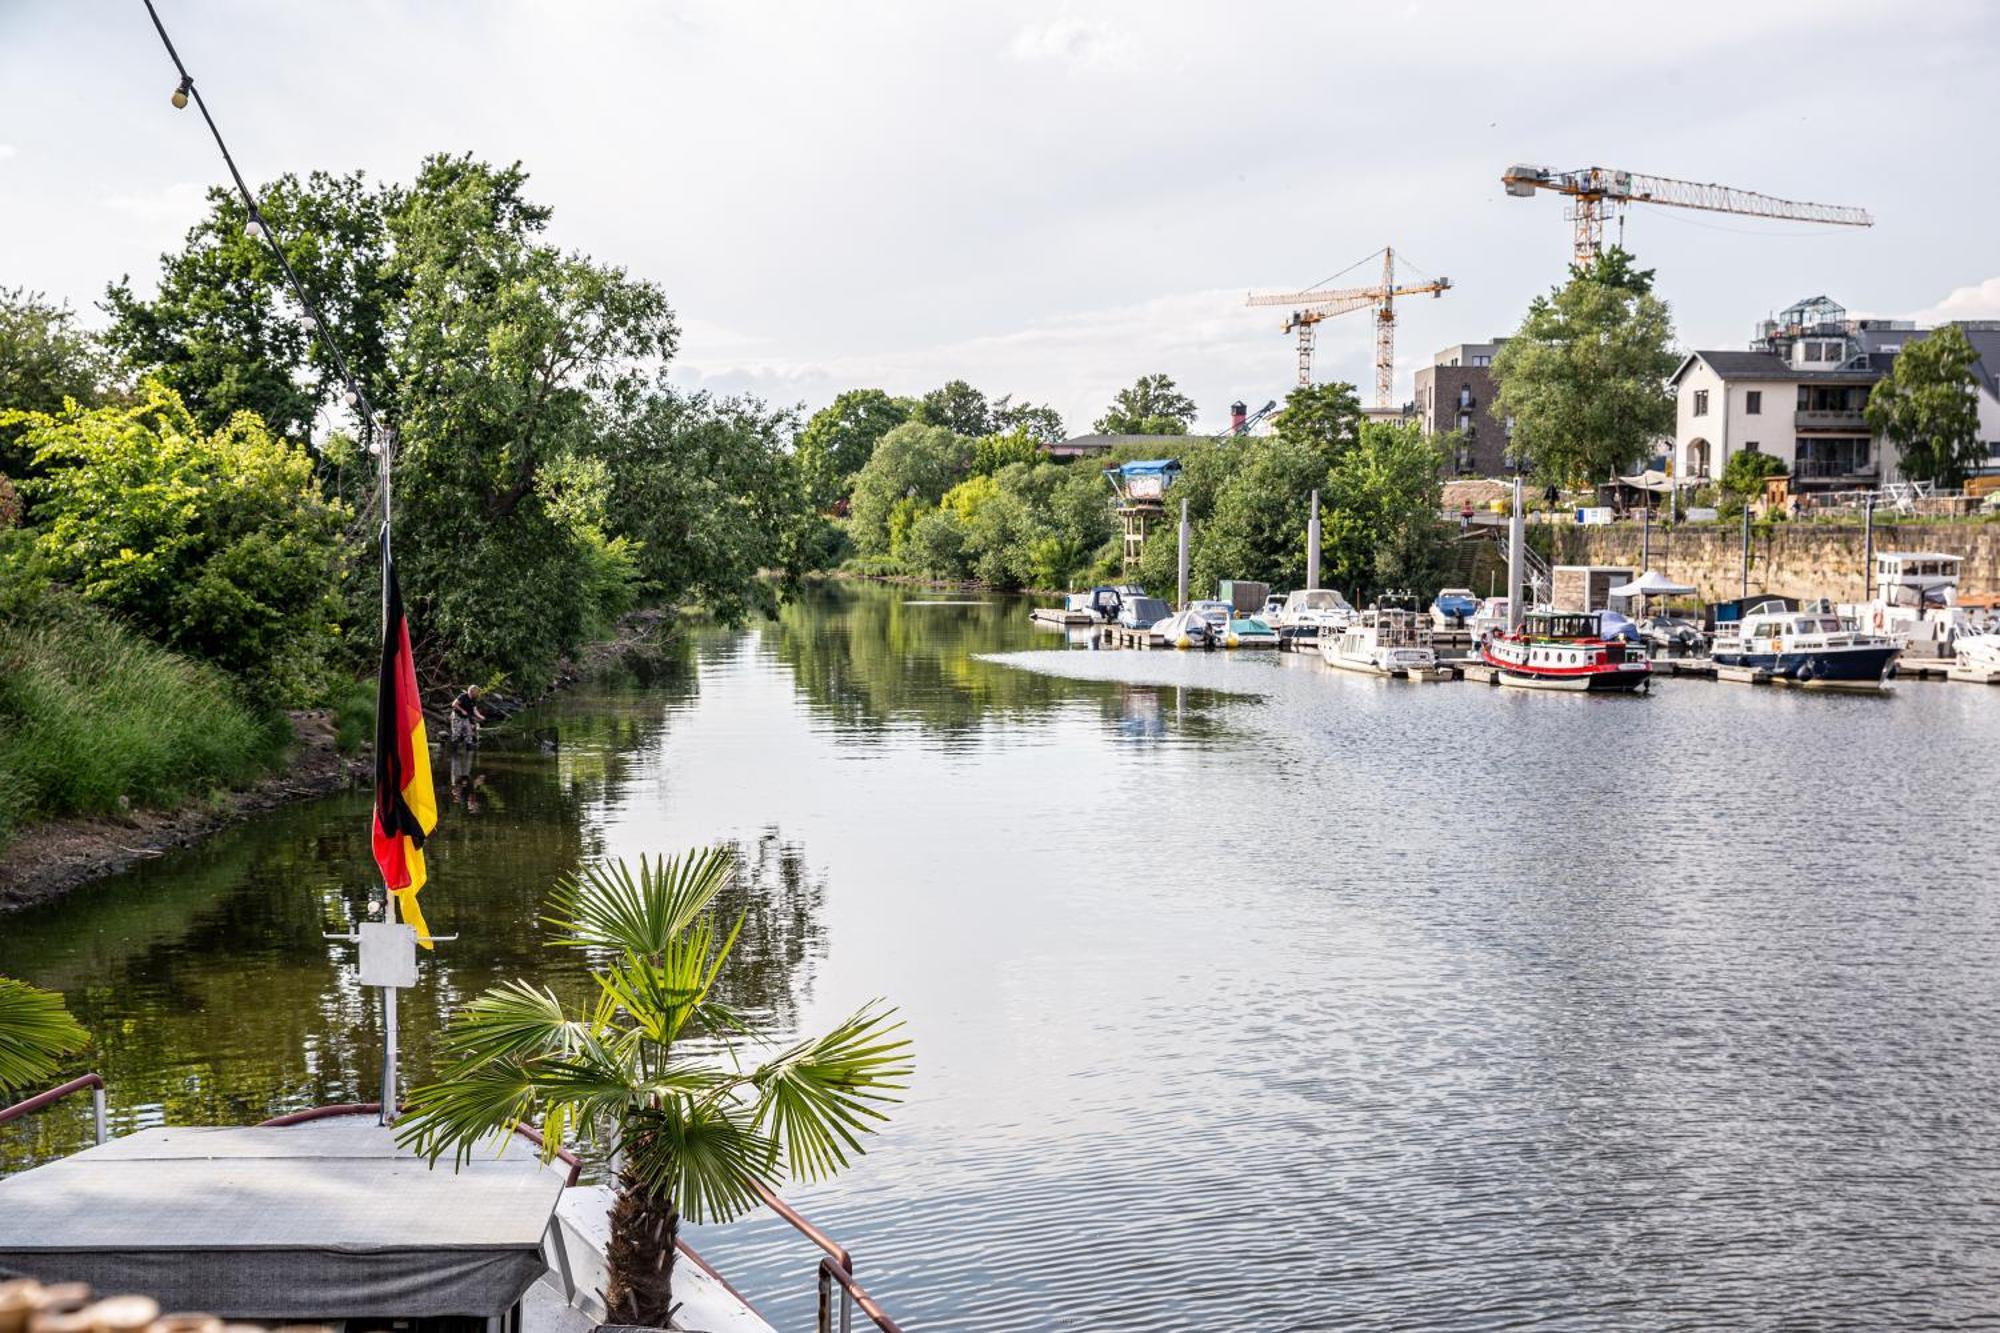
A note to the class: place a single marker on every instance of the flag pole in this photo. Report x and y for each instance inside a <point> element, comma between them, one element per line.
<point>384,441</point>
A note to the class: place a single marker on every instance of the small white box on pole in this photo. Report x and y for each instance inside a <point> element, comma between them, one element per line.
<point>388,954</point>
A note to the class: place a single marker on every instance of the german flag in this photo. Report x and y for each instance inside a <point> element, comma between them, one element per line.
<point>405,802</point>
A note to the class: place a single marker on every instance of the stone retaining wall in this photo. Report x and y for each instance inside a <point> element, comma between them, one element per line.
<point>1790,559</point>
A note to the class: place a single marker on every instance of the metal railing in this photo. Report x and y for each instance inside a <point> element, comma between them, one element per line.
<point>42,1099</point>
<point>852,1293</point>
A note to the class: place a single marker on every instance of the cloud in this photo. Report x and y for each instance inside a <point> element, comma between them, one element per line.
<point>7,150</point>
<point>1979,301</point>
<point>181,203</point>
<point>1213,347</point>
<point>1077,43</point>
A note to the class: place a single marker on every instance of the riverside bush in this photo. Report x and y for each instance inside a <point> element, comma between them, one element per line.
<point>91,712</point>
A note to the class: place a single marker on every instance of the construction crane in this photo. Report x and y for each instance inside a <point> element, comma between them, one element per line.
<point>1313,306</point>
<point>1602,191</point>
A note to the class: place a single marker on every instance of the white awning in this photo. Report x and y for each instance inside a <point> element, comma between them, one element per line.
<point>1652,584</point>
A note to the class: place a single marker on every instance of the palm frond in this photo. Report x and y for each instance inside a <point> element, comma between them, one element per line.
<point>662,993</point>
<point>819,1096</point>
<point>703,1156</point>
<point>36,1031</point>
<point>608,907</point>
<point>469,1103</point>
<point>514,1019</point>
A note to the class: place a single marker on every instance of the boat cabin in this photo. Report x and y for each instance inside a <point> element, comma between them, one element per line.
<point>1560,625</point>
<point>1913,577</point>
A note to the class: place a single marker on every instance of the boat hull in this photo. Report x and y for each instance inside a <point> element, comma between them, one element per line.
<point>1594,682</point>
<point>1827,667</point>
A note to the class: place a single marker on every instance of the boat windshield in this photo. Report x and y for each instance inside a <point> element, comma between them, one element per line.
<point>1545,626</point>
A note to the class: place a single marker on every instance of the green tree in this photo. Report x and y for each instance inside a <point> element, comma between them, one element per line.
<point>1381,529</point>
<point>914,465</point>
<point>1928,405</point>
<point>1325,417</point>
<point>650,1071</point>
<point>218,544</point>
<point>709,494</point>
<point>44,359</point>
<point>36,1032</point>
<point>1743,478</point>
<point>1584,378</point>
<point>1152,406</point>
<point>1043,424</point>
<point>958,407</point>
<point>1257,525</point>
<point>839,438</point>
<point>224,329</point>
<point>990,453</point>
<point>511,357</point>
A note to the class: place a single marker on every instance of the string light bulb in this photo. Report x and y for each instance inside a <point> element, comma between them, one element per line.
<point>180,98</point>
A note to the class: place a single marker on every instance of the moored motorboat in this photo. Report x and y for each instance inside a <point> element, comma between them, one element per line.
<point>1916,602</point>
<point>1454,608</point>
<point>1186,629</point>
<point>1383,641</point>
<point>1312,612</point>
<point>1813,647</point>
<point>1556,650</point>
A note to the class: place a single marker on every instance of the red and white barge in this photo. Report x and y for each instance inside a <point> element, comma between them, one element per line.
<point>1555,650</point>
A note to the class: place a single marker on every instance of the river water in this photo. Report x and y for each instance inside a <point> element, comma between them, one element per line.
<point>1246,994</point>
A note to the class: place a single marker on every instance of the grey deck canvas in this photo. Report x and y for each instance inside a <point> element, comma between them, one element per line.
<point>325,1220</point>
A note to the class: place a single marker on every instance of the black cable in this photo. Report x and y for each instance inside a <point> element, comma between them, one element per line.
<point>365,409</point>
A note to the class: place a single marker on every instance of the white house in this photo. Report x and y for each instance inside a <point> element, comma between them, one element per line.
<point>1799,394</point>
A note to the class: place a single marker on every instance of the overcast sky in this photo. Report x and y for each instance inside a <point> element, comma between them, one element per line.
<point>1048,199</point>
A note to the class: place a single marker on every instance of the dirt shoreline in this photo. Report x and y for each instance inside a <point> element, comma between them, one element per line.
<point>48,860</point>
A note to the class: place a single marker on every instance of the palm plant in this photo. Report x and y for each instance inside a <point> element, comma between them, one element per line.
<point>36,1031</point>
<point>649,1071</point>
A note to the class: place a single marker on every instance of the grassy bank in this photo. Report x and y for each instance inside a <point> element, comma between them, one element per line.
<point>93,717</point>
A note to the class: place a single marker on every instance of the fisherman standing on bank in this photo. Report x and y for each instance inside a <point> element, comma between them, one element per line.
<point>466,715</point>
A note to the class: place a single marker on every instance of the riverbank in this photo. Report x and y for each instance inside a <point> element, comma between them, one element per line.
<point>48,859</point>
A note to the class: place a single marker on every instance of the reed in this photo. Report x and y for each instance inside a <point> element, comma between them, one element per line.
<point>95,719</point>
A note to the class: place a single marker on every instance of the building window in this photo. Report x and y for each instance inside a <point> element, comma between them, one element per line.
<point>1753,447</point>
<point>1701,402</point>
<point>1753,402</point>
<point>1482,360</point>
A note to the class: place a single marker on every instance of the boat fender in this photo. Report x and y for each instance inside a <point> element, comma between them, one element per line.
<point>1183,642</point>
<point>1806,670</point>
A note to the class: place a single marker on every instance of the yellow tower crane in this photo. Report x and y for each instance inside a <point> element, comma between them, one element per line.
<point>1600,192</point>
<point>1311,307</point>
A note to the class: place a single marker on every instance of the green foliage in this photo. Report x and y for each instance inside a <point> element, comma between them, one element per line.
<point>36,1032</point>
<point>92,714</point>
<point>1152,406</point>
<point>512,358</point>
<point>1928,404</point>
<point>913,466</point>
<point>218,544</point>
<point>653,1069</point>
<point>709,494</point>
<point>1584,378</point>
<point>990,453</point>
<point>1029,524</point>
<point>1743,477</point>
<point>837,442</point>
<point>1323,416</point>
<point>1259,516</point>
<point>958,407</point>
<point>224,329</point>
<point>1044,425</point>
<point>1381,529</point>
<point>44,359</point>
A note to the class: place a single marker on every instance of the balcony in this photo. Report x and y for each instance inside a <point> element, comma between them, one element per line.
<point>1849,419</point>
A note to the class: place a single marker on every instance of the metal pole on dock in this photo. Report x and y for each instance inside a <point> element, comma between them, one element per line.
<point>1516,535</point>
<point>1746,549</point>
<point>1646,539</point>
<point>1182,565</point>
<point>1312,544</point>
<point>1868,547</point>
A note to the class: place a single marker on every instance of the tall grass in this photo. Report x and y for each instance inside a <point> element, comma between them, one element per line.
<point>91,713</point>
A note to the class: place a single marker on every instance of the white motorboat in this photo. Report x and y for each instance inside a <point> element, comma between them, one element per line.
<point>1383,641</point>
<point>1186,629</point>
<point>1311,613</point>
<point>1976,656</point>
<point>1813,647</point>
<point>1916,602</point>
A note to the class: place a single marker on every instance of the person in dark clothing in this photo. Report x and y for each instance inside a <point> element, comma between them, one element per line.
<point>466,715</point>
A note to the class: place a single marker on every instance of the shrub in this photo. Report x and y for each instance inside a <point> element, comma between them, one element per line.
<point>92,714</point>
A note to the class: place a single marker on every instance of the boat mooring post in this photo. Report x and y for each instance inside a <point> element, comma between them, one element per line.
<point>1646,538</point>
<point>1516,535</point>
<point>1182,565</point>
<point>1868,547</point>
<point>1312,545</point>
<point>1746,549</point>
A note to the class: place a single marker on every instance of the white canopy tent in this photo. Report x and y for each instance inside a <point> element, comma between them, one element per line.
<point>1652,583</point>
